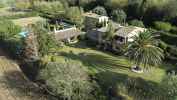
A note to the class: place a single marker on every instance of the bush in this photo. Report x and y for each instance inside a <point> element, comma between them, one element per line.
<point>163,45</point>
<point>74,15</point>
<point>168,38</point>
<point>169,84</point>
<point>9,36</point>
<point>42,39</point>
<point>100,11</point>
<point>163,26</point>
<point>50,10</point>
<point>137,23</point>
<point>174,30</point>
<point>119,16</point>
<point>67,81</point>
<point>16,16</point>
<point>22,5</point>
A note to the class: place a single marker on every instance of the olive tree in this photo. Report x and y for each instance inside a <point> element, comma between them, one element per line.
<point>68,81</point>
<point>44,41</point>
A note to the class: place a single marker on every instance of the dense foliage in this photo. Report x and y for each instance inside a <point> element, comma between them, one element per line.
<point>51,10</point>
<point>44,40</point>
<point>67,80</point>
<point>119,16</point>
<point>163,26</point>
<point>169,85</point>
<point>137,23</point>
<point>74,14</point>
<point>100,11</point>
<point>9,36</point>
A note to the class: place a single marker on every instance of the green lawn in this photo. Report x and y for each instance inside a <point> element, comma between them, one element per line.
<point>110,70</point>
<point>26,21</point>
<point>99,62</point>
<point>6,12</point>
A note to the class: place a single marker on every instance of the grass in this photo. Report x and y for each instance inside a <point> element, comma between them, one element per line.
<point>111,70</point>
<point>6,12</point>
<point>98,62</point>
<point>26,21</point>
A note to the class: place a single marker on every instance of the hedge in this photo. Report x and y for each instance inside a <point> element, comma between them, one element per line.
<point>163,26</point>
<point>169,38</point>
<point>17,16</point>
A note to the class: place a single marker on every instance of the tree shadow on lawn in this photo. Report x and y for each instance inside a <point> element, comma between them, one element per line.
<point>137,88</point>
<point>79,44</point>
<point>20,87</point>
<point>97,61</point>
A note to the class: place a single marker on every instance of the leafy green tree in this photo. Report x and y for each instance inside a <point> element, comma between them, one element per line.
<point>51,10</point>
<point>100,11</point>
<point>119,16</point>
<point>45,41</point>
<point>74,14</point>
<point>137,23</point>
<point>114,4</point>
<point>170,10</point>
<point>67,81</point>
<point>144,50</point>
<point>147,10</point>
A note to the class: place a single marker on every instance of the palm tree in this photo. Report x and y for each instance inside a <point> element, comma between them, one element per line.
<point>144,50</point>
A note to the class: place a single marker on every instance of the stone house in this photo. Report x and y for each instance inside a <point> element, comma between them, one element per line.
<point>68,33</point>
<point>93,20</point>
<point>122,35</point>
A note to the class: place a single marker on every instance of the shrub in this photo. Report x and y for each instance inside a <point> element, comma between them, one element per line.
<point>44,41</point>
<point>163,26</point>
<point>100,10</point>
<point>74,15</point>
<point>50,10</point>
<point>9,36</point>
<point>119,16</point>
<point>137,23</point>
<point>22,5</point>
<point>67,81</point>
<point>163,45</point>
<point>174,30</point>
<point>140,89</point>
<point>169,84</point>
<point>16,16</point>
<point>168,38</point>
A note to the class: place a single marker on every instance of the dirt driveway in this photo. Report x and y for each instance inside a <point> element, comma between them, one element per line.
<point>13,84</point>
